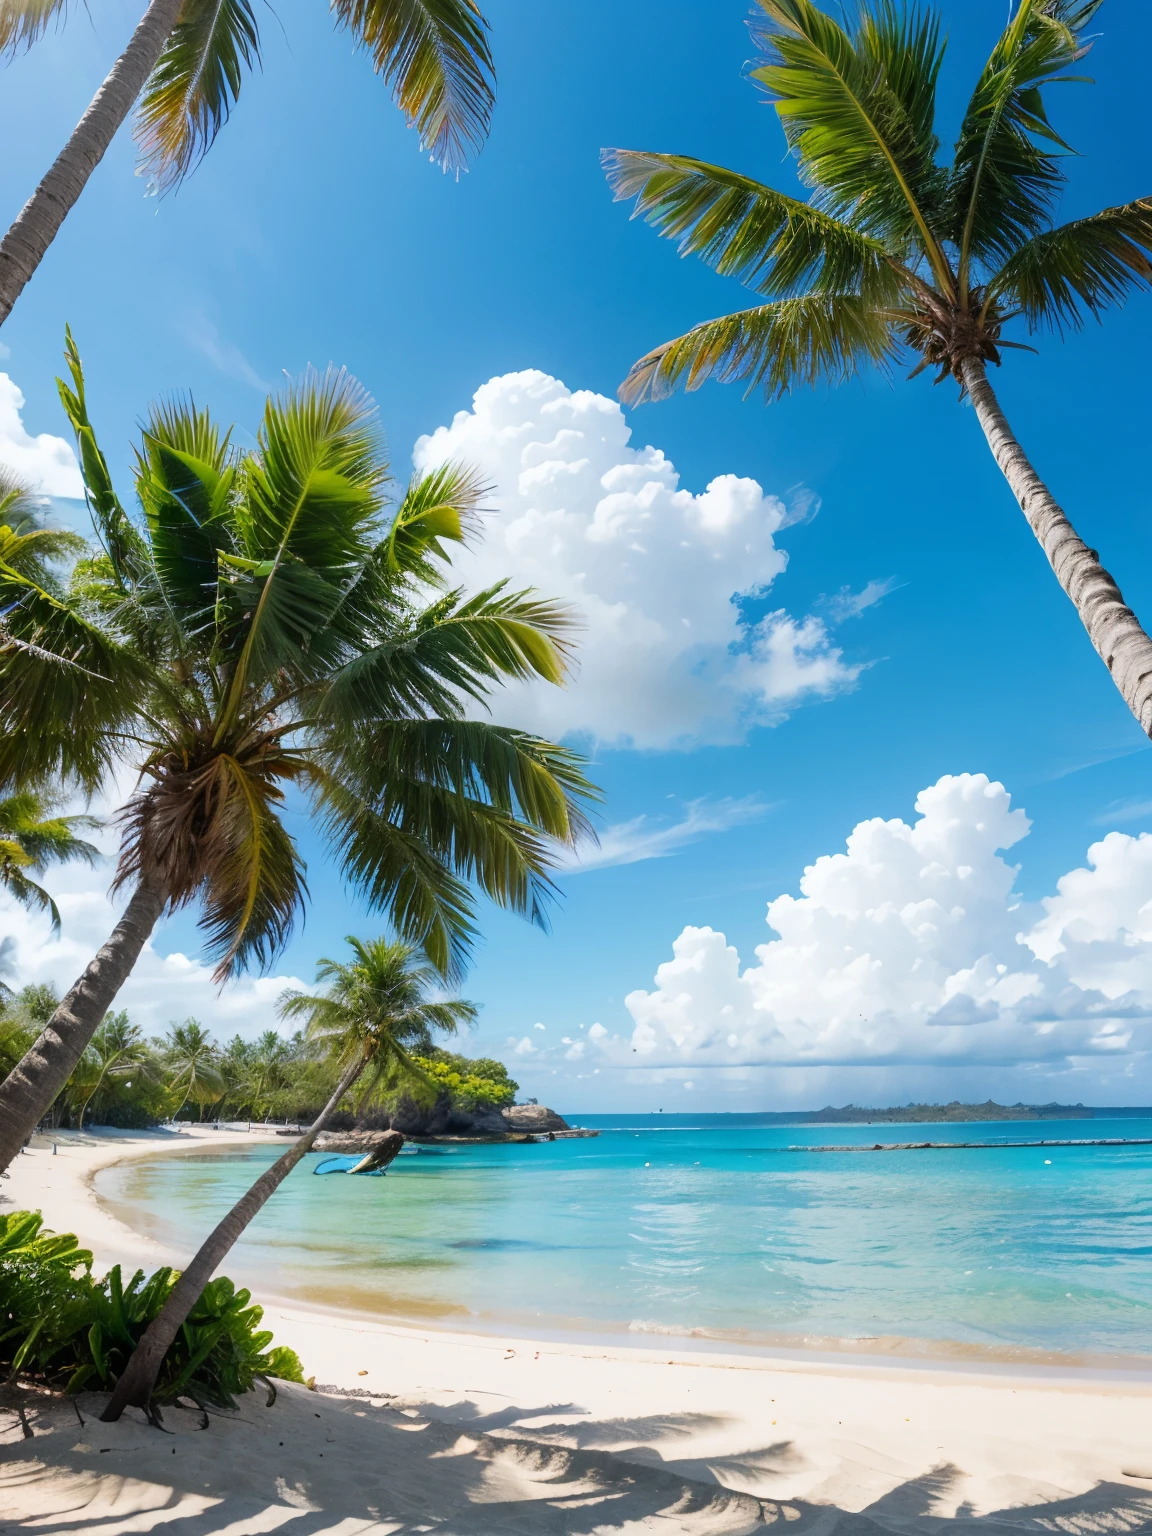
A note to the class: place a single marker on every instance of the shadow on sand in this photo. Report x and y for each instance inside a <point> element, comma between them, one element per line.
<point>317,1464</point>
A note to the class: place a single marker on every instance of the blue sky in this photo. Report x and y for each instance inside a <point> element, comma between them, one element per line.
<point>317,232</point>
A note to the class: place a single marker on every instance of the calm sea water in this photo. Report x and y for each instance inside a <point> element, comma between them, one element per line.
<point>709,1226</point>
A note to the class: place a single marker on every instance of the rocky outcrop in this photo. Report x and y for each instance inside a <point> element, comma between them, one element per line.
<point>444,1119</point>
<point>356,1143</point>
<point>535,1118</point>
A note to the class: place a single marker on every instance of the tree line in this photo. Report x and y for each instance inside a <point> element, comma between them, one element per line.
<point>128,1080</point>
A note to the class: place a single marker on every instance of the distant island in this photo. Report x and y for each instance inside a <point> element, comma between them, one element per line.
<point>907,1114</point>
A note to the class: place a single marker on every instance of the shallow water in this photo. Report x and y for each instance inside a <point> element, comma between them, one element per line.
<point>709,1226</point>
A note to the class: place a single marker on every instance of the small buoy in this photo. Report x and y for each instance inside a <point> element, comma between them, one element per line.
<point>1047,1162</point>
<point>647,1165</point>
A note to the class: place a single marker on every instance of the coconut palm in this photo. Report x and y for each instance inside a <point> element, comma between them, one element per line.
<point>899,254</point>
<point>27,543</point>
<point>268,629</point>
<point>117,1050</point>
<point>193,1065</point>
<point>375,1012</point>
<point>267,1065</point>
<point>184,65</point>
<point>32,838</point>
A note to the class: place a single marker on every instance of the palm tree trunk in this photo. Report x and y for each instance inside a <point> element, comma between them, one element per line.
<point>135,1386</point>
<point>1112,627</point>
<point>30,1088</point>
<point>24,245</point>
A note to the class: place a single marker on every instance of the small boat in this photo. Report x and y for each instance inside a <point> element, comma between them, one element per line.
<point>347,1164</point>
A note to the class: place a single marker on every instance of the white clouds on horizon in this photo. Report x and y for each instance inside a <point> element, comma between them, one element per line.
<point>912,949</point>
<point>665,657</point>
<point>46,463</point>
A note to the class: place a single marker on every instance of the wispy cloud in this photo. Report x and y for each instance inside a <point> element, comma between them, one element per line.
<point>847,604</point>
<point>649,837</point>
<point>1123,811</point>
<point>204,337</point>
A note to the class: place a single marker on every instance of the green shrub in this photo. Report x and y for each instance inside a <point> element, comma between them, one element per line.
<point>68,1330</point>
<point>470,1082</point>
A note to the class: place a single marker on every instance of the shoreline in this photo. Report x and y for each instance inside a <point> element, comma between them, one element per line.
<point>110,1237</point>
<point>876,1433</point>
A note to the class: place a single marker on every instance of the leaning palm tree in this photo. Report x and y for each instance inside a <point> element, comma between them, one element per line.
<point>375,1013</point>
<point>33,836</point>
<point>898,253</point>
<point>270,627</point>
<point>193,1065</point>
<point>184,64</point>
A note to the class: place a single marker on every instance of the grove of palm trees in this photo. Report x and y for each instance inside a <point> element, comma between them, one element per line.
<point>276,705</point>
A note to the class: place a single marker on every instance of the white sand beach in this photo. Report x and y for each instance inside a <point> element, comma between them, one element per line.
<point>480,1435</point>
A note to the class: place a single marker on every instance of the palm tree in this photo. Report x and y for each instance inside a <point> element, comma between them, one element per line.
<point>375,1014</point>
<point>31,836</point>
<point>117,1050</point>
<point>269,628</point>
<point>898,254</point>
<point>31,839</point>
<point>193,1065</point>
<point>184,64</point>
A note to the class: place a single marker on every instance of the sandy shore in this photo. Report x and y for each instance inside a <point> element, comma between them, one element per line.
<point>481,1435</point>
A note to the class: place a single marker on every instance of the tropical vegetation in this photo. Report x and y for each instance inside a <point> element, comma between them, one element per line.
<point>33,836</point>
<point>469,1083</point>
<point>900,254</point>
<point>131,1082</point>
<point>184,65</point>
<point>62,1328</point>
<point>373,1011</point>
<point>268,631</point>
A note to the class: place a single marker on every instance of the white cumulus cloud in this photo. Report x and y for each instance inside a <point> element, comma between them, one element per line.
<point>652,570</point>
<point>913,947</point>
<point>46,463</point>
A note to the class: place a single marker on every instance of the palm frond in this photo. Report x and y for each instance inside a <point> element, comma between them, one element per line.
<point>21,508</point>
<point>44,838</point>
<point>317,486</point>
<point>443,504</point>
<point>191,92</point>
<point>399,875</point>
<point>122,543</point>
<point>774,347</point>
<point>26,891</point>
<point>65,688</point>
<point>30,549</point>
<point>306,523</point>
<point>24,22</point>
<point>457,647</point>
<point>521,775</point>
<point>185,480</point>
<point>1089,263</point>
<point>772,243</point>
<point>435,59</point>
<point>857,111</point>
<point>1007,170</point>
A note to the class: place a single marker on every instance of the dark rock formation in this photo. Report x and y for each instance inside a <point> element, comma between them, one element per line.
<point>429,1122</point>
<point>377,1144</point>
<point>536,1118</point>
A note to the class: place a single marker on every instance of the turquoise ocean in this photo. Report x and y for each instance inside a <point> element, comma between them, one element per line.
<point>711,1227</point>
